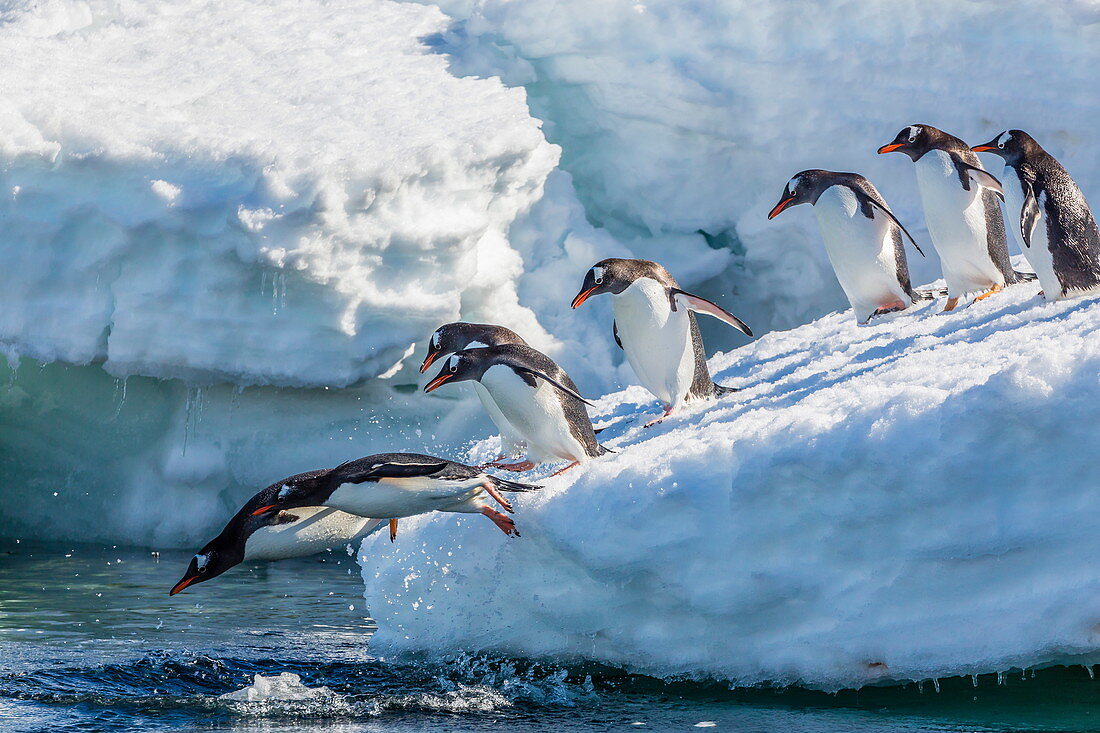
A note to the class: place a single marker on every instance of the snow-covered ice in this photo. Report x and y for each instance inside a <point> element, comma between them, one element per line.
<point>911,499</point>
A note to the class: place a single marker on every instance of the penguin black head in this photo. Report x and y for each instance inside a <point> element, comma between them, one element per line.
<point>805,188</point>
<point>219,555</point>
<point>462,366</point>
<point>614,275</point>
<point>457,336</point>
<point>916,140</point>
<point>1012,145</point>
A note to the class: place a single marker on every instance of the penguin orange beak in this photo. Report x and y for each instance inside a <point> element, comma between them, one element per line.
<point>263,510</point>
<point>428,360</point>
<point>983,148</point>
<point>583,296</point>
<point>889,148</point>
<point>438,381</point>
<point>182,584</point>
<point>780,206</point>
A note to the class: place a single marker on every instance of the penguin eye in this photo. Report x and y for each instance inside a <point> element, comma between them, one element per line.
<point>599,280</point>
<point>454,367</point>
<point>202,569</point>
<point>1000,145</point>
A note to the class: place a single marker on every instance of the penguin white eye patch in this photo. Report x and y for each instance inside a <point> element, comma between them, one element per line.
<point>913,132</point>
<point>435,339</point>
<point>1004,138</point>
<point>452,363</point>
<point>201,561</point>
<point>597,272</point>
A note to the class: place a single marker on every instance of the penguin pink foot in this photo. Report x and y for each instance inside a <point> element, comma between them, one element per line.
<point>992,291</point>
<point>507,526</point>
<point>894,307</point>
<point>516,467</point>
<point>560,471</point>
<point>654,421</point>
<point>492,491</point>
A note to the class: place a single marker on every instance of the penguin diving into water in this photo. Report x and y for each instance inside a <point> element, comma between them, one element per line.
<point>279,535</point>
<point>536,397</point>
<point>961,211</point>
<point>655,326</point>
<point>453,337</point>
<point>1049,217</point>
<point>863,239</point>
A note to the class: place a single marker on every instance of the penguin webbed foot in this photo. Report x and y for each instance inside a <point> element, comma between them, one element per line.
<point>992,291</point>
<point>515,467</point>
<point>492,491</point>
<point>950,304</point>
<point>882,310</point>
<point>654,421</point>
<point>574,464</point>
<point>503,521</point>
<point>393,530</point>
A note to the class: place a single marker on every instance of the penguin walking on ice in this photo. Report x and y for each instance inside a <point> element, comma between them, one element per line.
<point>1056,231</point>
<point>395,485</point>
<point>655,326</point>
<point>862,239</point>
<point>961,211</point>
<point>279,535</point>
<point>537,398</point>
<point>457,336</point>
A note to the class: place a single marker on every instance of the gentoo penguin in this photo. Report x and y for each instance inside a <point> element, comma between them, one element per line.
<point>655,325</point>
<point>276,535</point>
<point>862,238</point>
<point>395,485</point>
<point>961,210</point>
<point>453,337</point>
<point>1057,231</point>
<point>536,396</point>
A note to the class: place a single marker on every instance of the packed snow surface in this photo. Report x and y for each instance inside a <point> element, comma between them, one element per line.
<point>910,499</point>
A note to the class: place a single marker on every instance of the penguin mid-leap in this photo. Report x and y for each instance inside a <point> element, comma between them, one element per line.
<point>280,535</point>
<point>862,238</point>
<point>537,398</point>
<point>961,210</point>
<point>655,326</point>
<point>453,337</point>
<point>1057,231</point>
<point>395,485</point>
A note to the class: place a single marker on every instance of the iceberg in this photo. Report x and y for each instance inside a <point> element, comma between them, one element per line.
<point>905,500</point>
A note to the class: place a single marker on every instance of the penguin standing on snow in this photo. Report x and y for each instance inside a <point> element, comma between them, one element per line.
<point>655,325</point>
<point>395,485</point>
<point>537,398</point>
<point>961,210</point>
<point>862,238</point>
<point>453,337</point>
<point>280,535</point>
<point>1057,231</point>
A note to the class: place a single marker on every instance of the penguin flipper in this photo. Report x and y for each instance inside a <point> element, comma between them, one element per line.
<point>535,373</point>
<point>868,200</point>
<point>615,333</point>
<point>983,178</point>
<point>702,305</point>
<point>395,470</point>
<point>1029,214</point>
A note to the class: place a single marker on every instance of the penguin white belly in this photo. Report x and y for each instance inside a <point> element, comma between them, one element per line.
<point>956,223</point>
<point>656,339</point>
<point>403,497</point>
<point>511,444</point>
<point>861,251</point>
<point>1038,255</point>
<point>317,529</point>
<point>536,413</point>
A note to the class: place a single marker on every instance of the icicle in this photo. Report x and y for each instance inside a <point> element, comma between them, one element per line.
<point>936,684</point>
<point>120,394</point>
<point>1092,673</point>
<point>920,686</point>
<point>1000,678</point>
<point>974,680</point>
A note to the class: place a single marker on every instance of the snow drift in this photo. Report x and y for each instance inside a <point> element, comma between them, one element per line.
<point>912,499</point>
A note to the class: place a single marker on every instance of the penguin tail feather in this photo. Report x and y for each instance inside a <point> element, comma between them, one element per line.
<point>722,391</point>
<point>930,294</point>
<point>513,486</point>
<point>603,449</point>
<point>1025,277</point>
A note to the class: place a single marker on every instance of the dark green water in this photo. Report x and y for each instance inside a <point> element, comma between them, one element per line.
<point>90,641</point>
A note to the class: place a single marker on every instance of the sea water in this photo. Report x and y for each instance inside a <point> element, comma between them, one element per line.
<point>90,640</point>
